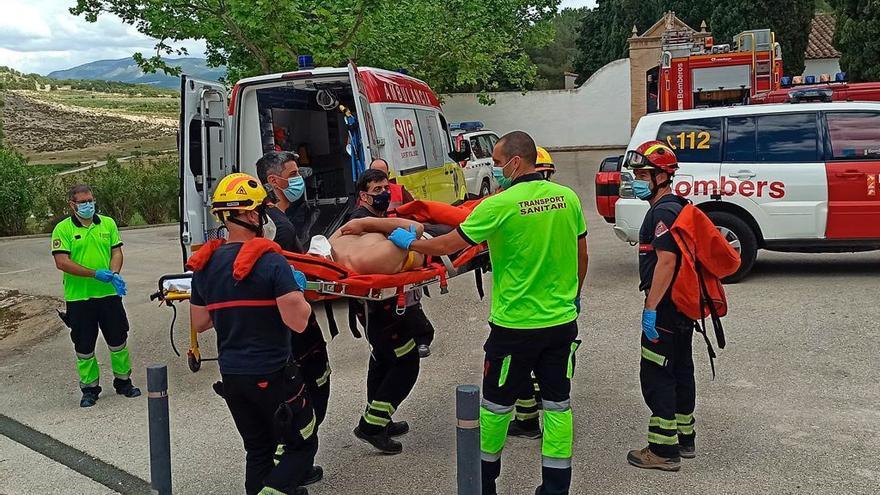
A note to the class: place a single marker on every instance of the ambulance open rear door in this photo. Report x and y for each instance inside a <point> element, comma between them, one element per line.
<point>205,148</point>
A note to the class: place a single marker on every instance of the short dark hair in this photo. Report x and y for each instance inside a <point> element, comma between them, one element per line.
<point>519,143</point>
<point>78,189</point>
<point>370,175</point>
<point>272,163</point>
<point>380,160</point>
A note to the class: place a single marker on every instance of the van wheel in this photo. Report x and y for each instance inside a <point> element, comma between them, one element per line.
<point>484,189</point>
<point>741,237</point>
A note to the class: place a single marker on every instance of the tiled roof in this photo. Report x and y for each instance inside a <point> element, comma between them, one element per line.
<point>821,37</point>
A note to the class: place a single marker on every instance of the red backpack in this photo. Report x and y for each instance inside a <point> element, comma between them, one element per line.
<point>706,258</point>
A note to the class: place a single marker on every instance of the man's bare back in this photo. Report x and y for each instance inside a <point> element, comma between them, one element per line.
<point>362,245</point>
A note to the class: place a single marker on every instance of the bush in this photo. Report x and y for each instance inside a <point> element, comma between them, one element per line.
<point>132,193</point>
<point>17,191</point>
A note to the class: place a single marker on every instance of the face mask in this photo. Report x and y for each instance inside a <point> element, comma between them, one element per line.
<point>642,189</point>
<point>295,188</point>
<point>381,200</point>
<point>269,229</point>
<point>498,173</point>
<point>85,210</point>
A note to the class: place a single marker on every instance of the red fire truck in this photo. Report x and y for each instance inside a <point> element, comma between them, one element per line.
<point>696,73</point>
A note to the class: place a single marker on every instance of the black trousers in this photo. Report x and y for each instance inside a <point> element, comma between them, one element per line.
<point>394,362</point>
<point>310,354</point>
<point>668,385</point>
<point>274,416</point>
<point>84,319</point>
<point>512,355</point>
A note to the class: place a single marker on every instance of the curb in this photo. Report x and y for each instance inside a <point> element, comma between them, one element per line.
<point>121,229</point>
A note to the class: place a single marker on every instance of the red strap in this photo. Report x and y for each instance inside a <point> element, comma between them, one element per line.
<point>645,248</point>
<point>242,303</point>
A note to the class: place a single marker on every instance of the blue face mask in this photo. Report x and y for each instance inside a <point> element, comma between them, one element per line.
<point>295,188</point>
<point>85,210</point>
<point>498,173</point>
<point>642,189</point>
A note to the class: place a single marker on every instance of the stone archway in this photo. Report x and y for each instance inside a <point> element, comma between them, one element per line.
<point>644,56</point>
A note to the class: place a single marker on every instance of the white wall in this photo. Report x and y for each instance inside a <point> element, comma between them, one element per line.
<point>819,66</point>
<point>592,115</point>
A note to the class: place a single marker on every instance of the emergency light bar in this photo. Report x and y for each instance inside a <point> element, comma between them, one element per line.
<point>810,94</point>
<point>306,62</point>
<point>475,125</point>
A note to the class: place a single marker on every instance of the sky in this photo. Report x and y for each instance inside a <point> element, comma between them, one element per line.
<point>41,36</point>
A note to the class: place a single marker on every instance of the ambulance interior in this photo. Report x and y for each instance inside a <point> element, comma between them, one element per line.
<point>304,116</point>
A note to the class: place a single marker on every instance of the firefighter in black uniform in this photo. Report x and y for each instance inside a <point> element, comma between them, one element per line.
<point>250,295</point>
<point>394,358</point>
<point>667,365</point>
<point>279,174</point>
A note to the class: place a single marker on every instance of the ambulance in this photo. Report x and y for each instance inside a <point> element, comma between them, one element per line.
<point>337,119</point>
<point>782,177</point>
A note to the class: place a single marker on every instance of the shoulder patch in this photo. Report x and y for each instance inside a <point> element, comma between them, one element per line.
<point>660,229</point>
<point>56,243</point>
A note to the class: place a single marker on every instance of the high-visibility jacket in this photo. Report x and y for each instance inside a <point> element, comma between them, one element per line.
<point>706,255</point>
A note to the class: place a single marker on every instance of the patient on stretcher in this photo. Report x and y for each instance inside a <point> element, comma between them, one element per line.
<point>362,245</point>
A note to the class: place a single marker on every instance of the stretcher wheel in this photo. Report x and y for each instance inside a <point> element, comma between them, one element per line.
<point>195,364</point>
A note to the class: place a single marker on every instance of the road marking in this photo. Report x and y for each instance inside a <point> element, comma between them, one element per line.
<point>13,272</point>
<point>91,467</point>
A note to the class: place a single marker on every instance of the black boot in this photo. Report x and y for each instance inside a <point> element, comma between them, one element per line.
<point>314,475</point>
<point>124,387</point>
<point>380,441</point>
<point>397,428</point>
<point>90,396</point>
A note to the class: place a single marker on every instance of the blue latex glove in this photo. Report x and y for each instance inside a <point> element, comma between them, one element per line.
<point>403,238</point>
<point>577,303</point>
<point>300,278</point>
<point>104,275</point>
<point>649,324</point>
<point>119,284</point>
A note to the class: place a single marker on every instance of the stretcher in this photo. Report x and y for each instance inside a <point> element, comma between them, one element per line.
<point>330,286</point>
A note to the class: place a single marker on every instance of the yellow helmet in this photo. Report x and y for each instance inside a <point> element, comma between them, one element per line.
<point>237,192</point>
<point>544,161</point>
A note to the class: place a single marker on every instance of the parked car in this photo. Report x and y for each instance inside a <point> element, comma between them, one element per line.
<point>478,168</point>
<point>608,186</point>
<point>785,177</point>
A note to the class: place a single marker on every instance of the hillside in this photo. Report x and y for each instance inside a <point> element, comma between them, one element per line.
<point>127,71</point>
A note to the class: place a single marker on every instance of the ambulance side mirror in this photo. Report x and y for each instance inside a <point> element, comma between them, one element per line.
<point>464,153</point>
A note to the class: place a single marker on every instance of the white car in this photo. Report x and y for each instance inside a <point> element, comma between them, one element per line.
<point>477,169</point>
<point>788,177</point>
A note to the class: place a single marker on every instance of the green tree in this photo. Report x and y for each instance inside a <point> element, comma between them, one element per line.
<point>605,29</point>
<point>857,37</point>
<point>17,191</point>
<point>452,44</point>
<point>557,57</point>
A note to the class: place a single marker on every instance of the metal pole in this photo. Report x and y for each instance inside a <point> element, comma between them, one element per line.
<point>160,436</point>
<point>467,436</point>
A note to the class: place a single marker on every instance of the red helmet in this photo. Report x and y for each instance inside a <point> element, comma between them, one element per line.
<point>652,154</point>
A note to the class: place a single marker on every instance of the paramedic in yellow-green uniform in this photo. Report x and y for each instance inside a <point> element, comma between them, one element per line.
<point>87,248</point>
<point>536,234</point>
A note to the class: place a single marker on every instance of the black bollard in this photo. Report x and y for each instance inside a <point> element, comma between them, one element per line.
<point>160,435</point>
<point>467,436</point>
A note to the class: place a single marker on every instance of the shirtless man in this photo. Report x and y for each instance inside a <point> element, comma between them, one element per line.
<point>362,245</point>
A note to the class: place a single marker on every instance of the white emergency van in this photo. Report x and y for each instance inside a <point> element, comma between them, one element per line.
<point>326,115</point>
<point>786,177</point>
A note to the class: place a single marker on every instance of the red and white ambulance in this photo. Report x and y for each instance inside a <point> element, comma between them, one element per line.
<point>326,114</point>
<point>784,177</point>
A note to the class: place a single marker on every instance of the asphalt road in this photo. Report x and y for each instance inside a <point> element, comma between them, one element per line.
<point>794,408</point>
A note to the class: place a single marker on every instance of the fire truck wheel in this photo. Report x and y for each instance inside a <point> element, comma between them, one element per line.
<point>741,237</point>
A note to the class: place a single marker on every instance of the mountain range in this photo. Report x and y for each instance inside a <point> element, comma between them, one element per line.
<point>126,70</point>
